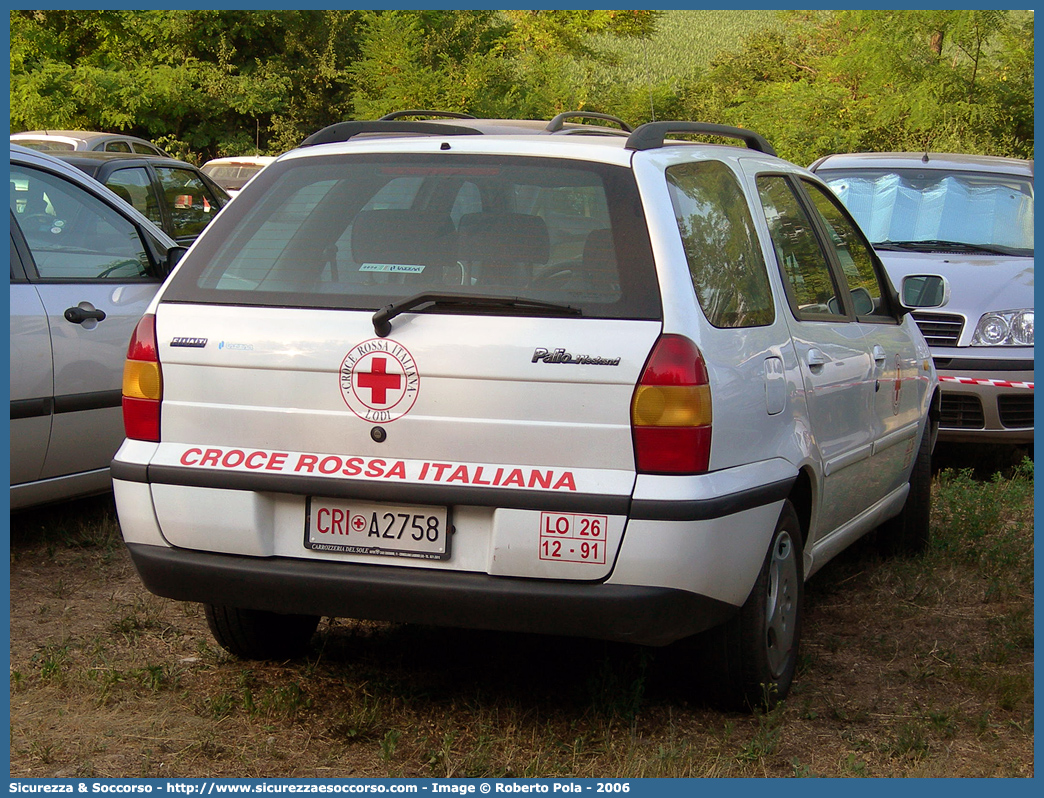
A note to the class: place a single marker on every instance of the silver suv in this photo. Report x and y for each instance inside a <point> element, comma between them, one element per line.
<point>527,376</point>
<point>969,217</point>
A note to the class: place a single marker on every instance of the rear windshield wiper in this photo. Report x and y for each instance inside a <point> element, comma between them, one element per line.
<point>938,245</point>
<point>382,318</point>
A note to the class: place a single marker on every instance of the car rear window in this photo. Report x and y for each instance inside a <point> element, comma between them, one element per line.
<point>46,145</point>
<point>231,176</point>
<point>362,231</point>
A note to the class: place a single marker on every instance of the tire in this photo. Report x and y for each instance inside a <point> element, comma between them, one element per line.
<point>257,634</point>
<point>909,533</point>
<point>754,655</point>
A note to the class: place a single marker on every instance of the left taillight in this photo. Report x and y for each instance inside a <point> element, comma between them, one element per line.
<point>671,410</point>
<point>142,383</point>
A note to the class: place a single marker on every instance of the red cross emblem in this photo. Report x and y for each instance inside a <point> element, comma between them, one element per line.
<point>379,380</point>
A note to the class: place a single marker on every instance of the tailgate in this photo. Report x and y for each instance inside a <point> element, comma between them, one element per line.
<point>519,419</point>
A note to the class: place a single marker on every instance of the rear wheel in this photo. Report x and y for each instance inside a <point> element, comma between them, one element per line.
<point>257,634</point>
<point>909,532</point>
<point>754,655</point>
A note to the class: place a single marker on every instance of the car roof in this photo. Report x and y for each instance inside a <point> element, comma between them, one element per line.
<point>922,160</point>
<point>87,158</point>
<point>29,157</point>
<point>525,136</point>
<point>85,135</point>
<point>245,160</point>
<point>82,135</point>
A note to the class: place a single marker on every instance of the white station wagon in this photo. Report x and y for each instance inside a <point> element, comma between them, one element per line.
<point>527,376</point>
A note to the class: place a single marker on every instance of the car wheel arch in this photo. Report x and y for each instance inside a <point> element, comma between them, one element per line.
<point>801,497</point>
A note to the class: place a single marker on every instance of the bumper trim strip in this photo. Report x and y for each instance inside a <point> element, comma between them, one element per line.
<point>716,507</point>
<point>412,493</point>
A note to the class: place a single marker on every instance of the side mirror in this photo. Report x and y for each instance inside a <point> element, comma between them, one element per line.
<point>174,256</point>
<point>924,291</point>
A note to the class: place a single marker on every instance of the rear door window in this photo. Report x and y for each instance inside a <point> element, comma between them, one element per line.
<point>808,278</point>
<point>362,231</point>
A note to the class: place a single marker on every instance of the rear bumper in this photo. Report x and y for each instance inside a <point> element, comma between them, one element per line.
<point>626,613</point>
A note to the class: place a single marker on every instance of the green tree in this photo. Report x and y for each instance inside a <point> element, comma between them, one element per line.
<point>879,80</point>
<point>225,82</point>
<point>210,82</point>
<point>207,83</point>
<point>519,64</point>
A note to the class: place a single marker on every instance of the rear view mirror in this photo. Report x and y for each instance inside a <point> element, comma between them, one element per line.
<point>174,255</point>
<point>924,291</point>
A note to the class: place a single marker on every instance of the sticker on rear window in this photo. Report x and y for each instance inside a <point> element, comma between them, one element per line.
<point>393,268</point>
<point>379,380</point>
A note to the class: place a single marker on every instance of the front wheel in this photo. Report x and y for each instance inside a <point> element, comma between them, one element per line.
<point>257,634</point>
<point>755,653</point>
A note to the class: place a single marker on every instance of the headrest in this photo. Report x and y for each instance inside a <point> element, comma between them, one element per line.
<point>503,238</point>
<point>403,236</point>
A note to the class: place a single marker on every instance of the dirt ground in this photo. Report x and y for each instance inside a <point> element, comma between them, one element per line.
<point>901,675</point>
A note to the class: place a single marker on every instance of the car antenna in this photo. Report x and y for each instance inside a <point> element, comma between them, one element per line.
<point>924,158</point>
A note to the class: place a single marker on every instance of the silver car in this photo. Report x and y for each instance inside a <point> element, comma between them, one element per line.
<point>969,217</point>
<point>527,376</point>
<point>84,265</point>
<point>84,141</point>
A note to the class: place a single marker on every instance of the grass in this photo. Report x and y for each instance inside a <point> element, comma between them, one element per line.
<point>910,667</point>
<point>684,44</point>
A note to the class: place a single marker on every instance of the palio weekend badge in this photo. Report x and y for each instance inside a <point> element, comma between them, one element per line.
<point>379,380</point>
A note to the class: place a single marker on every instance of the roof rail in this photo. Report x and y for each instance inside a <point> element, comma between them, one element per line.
<point>342,131</point>
<point>437,114</point>
<point>558,123</point>
<point>651,135</point>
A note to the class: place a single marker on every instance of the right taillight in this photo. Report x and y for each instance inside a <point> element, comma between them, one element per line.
<point>671,410</point>
<point>142,383</point>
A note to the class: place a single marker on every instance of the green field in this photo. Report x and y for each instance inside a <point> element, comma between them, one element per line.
<point>684,43</point>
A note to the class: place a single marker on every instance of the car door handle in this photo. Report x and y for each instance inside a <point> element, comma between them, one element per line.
<point>879,354</point>
<point>78,315</point>
<point>815,359</point>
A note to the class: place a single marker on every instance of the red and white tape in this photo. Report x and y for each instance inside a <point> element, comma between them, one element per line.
<point>994,383</point>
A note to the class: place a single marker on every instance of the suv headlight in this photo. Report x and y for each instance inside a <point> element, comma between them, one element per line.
<point>1005,328</point>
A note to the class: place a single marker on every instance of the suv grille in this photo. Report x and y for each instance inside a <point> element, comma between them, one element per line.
<point>940,329</point>
<point>1015,410</point>
<point>960,411</point>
